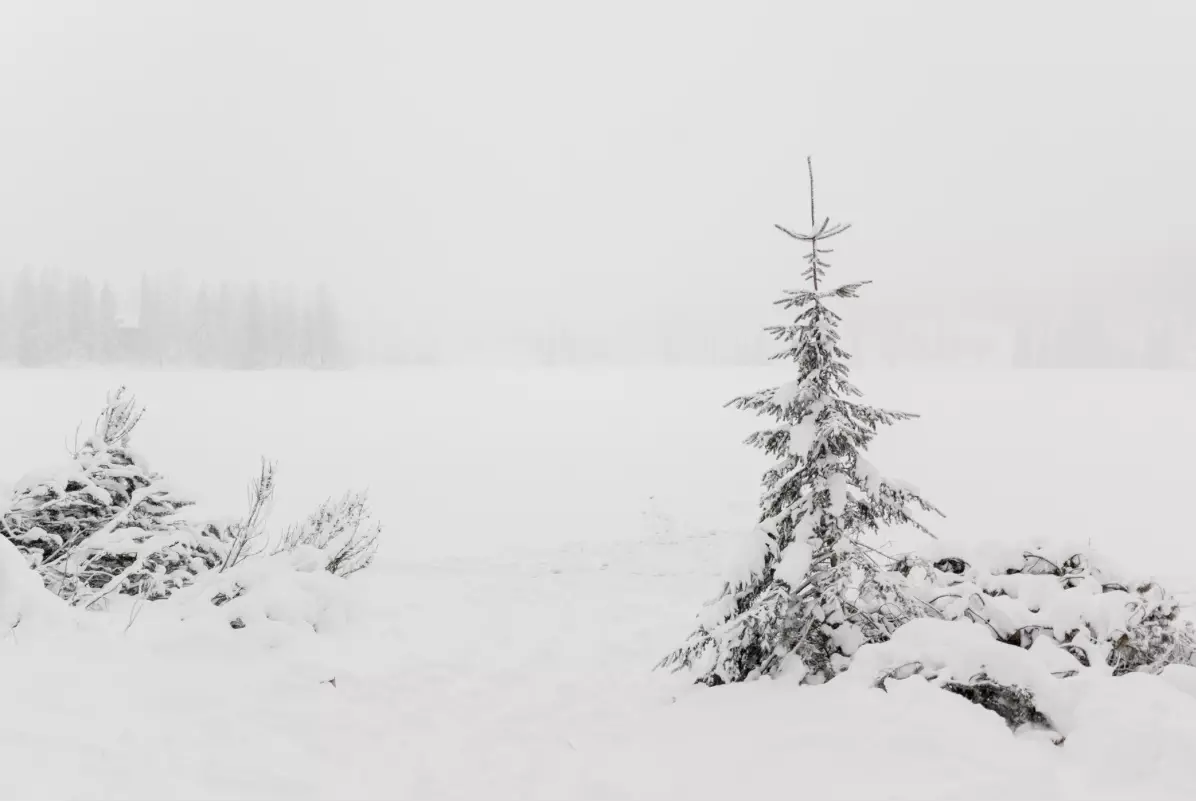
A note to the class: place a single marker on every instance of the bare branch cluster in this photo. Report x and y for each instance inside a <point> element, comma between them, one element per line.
<point>246,536</point>
<point>117,421</point>
<point>342,529</point>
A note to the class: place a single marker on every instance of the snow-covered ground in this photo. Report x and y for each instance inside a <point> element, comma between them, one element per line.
<point>549,536</point>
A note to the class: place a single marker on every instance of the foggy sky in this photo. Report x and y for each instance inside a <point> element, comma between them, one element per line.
<point>467,169</point>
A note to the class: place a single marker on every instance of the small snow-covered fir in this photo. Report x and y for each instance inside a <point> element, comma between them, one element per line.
<point>807,593</point>
<point>106,523</point>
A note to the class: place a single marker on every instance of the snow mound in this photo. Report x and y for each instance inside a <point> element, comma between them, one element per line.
<point>24,600</point>
<point>283,596</point>
<point>1126,737</point>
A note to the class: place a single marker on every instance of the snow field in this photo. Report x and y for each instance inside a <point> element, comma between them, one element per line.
<point>548,537</point>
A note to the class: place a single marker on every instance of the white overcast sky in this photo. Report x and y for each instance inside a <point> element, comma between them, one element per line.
<point>492,166</point>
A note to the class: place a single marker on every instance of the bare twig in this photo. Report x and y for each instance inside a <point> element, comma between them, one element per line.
<point>813,217</point>
<point>74,450</point>
<point>246,535</point>
<point>119,418</point>
<point>133,613</point>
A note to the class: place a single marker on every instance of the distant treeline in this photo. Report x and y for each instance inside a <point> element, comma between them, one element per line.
<point>1137,329</point>
<point>51,318</point>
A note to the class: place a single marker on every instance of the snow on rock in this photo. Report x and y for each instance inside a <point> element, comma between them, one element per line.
<point>957,647</point>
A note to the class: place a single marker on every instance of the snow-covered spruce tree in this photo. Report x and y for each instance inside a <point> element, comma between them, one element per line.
<point>106,523</point>
<point>809,592</point>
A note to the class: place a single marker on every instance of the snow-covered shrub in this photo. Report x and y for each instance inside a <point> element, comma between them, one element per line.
<point>1021,686</point>
<point>1014,625</point>
<point>288,590</point>
<point>295,579</point>
<point>106,523</point>
<point>340,530</point>
<point>299,580</point>
<point>1023,596</point>
<point>246,537</point>
<point>808,592</point>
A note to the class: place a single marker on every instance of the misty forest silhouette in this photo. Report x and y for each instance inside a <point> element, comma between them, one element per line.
<point>49,318</point>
